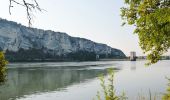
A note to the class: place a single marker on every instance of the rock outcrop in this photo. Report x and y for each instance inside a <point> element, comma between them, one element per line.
<point>23,42</point>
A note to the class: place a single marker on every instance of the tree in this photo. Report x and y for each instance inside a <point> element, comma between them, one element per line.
<point>152,21</point>
<point>3,68</point>
<point>29,7</point>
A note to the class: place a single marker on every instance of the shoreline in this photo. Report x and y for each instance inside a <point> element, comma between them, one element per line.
<point>41,61</point>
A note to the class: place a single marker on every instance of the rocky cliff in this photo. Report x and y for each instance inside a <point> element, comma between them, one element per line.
<point>21,42</point>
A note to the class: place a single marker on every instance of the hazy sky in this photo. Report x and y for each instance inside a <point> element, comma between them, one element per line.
<point>97,20</point>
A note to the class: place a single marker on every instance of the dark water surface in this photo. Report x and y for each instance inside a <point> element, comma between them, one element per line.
<point>78,80</point>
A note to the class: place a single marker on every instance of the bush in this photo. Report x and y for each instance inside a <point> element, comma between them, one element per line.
<point>109,90</point>
<point>3,68</point>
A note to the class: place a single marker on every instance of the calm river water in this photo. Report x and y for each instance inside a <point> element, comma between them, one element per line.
<point>78,80</point>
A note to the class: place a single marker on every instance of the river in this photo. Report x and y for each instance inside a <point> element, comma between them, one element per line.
<point>79,80</point>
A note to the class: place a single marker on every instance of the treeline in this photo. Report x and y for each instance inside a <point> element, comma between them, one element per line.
<point>38,55</point>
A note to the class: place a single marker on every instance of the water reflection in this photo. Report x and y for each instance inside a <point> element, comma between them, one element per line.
<point>133,65</point>
<point>25,81</point>
<point>2,78</point>
<point>64,81</point>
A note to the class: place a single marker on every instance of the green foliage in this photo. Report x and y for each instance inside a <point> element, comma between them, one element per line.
<point>166,96</point>
<point>3,68</point>
<point>39,55</point>
<point>152,21</point>
<point>108,89</point>
<point>82,56</point>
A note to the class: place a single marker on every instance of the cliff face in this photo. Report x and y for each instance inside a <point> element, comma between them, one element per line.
<point>16,38</point>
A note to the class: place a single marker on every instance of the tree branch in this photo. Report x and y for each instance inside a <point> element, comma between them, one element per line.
<point>29,7</point>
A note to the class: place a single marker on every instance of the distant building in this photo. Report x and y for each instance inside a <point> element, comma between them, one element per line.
<point>133,56</point>
<point>97,57</point>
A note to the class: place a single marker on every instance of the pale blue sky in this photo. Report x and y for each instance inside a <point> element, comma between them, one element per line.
<point>97,20</point>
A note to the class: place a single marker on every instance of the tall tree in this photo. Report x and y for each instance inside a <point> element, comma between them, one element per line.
<point>152,21</point>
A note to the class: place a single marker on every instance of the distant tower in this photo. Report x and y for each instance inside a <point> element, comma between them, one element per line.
<point>97,57</point>
<point>133,56</point>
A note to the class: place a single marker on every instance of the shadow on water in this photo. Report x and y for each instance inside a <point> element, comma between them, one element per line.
<point>25,81</point>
